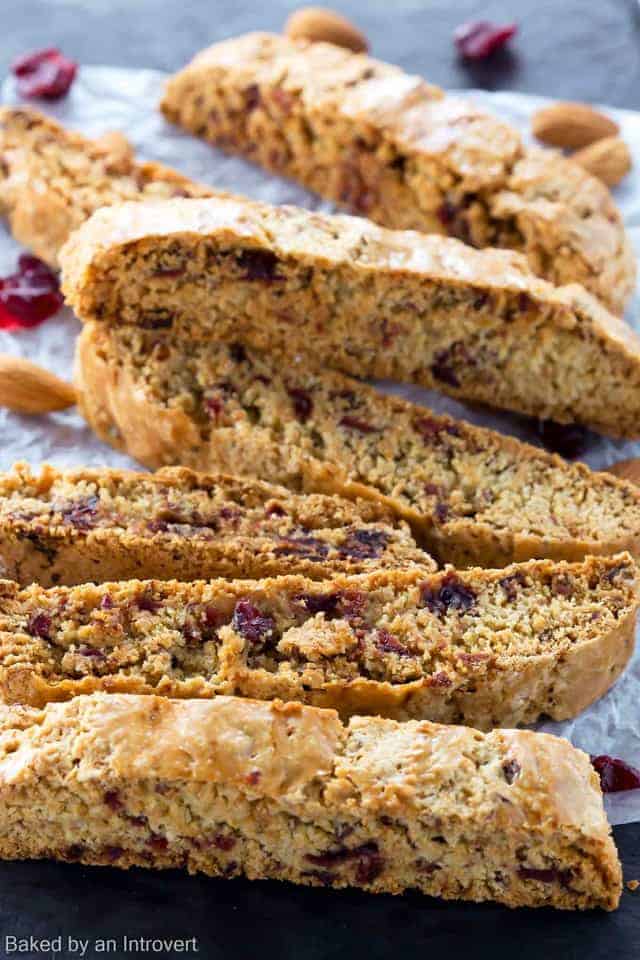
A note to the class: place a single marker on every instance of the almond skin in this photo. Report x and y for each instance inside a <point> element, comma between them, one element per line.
<point>321,25</point>
<point>27,388</point>
<point>627,470</point>
<point>608,159</point>
<point>571,125</point>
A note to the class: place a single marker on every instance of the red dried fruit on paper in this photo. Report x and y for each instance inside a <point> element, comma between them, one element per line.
<point>615,775</point>
<point>44,73</point>
<point>478,39</point>
<point>30,295</point>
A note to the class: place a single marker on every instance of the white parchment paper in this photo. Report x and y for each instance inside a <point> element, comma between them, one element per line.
<point>106,98</point>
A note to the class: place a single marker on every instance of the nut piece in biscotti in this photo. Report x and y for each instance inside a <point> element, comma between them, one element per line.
<point>371,302</point>
<point>99,524</point>
<point>391,147</point>
<point>483,647</point>
<point>471,495</point>
<point>52,179</point>
<point>267,790</point>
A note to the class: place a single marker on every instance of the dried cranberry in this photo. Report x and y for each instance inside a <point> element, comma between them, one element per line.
<point>326,603</point>
<point>353,604</point>
<point>510,585</point>
<point>325,877</point>
<point>238,353</point>
<point>39,625</point>
<point>251,97</point>
<point>355,423</point>
<point>224,842</point>
<point>440,680</point>
<point>446,213</point>
<point>107,602</point>
<point>428,428</point>
<point>82,514</point>
<point>251,623</point>
<point>308,547</point>
<point>561,585</point>
<point>364,544</point>
<point>259,265</point>
<point>302,403</point>
<point>113,853</point>
<point>451,595</point>
<point>615,774</point>
<point>147,603</point>
<point>387,643</point>
<point>29,296</point>
<point>253,778</point>
<point>156,842</point>
<point>569,440</point>
<point>44,73</point>
<point>511,769</point>
<point>113,801</point>
<point>370,863</point>
<point>478,39</point>
<point>85,651</point>
<point>442,369</point>
<point>550,875</point>
<point>275,510</point>
<point>441,511</point>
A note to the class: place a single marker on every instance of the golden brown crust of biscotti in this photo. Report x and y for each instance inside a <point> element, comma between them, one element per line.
<point>52,179</point>
<point>287,792</point>
<point>389,146</point>
<point>97,524</point>
<point>471,496</point>
<point>367,301</point>
<point>488,648</point>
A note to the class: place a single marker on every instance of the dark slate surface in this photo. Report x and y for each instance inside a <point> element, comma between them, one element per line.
<point>576,49</point>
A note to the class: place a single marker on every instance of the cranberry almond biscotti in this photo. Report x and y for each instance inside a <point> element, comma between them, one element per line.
<point>52,179</point>
<point>390,146</point>
<point>471,496</point>
<point>100,524</point>
<point>286,792</point>
<point>370,302</point>
<point>483,647</point>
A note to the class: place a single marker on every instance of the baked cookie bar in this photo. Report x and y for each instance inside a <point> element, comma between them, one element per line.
<point>286,792</point>
<point>99,524</point>
<point>483,647</point>
<point>394,148</point>
<point>52,179</point>
<point>370,302</point>
<point>471,496</point>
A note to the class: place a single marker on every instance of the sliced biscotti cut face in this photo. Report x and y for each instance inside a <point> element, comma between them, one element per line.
<point>53,179</point>
<point>370,302</point>
<point>391,147</point>
<point>489,648</point>
<point>287,792</point>
<point>471,496</point>
<point>98,524</point>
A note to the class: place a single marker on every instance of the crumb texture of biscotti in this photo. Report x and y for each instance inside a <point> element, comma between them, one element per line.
<point>53,179</point>
<point>370,302</point>
<point>471,496</point>
<point>391,147</point>
<point>99,524</point>
<point>287,792</point>
<point>488,648</point>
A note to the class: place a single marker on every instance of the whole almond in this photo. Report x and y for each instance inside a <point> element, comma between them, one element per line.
<point>608,159</point>
<point>27,388</point>
<point>627,470</point>
<point>571,125</point>
<point>321,25</point>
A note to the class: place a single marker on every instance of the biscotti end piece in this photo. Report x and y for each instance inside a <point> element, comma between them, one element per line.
<point>97,524</point>
<point>391,147</point>
<point>476,324</point>
<point>53,179</point>
<point>488,648</point>
<point>472,496</point>
<point>286,792</point>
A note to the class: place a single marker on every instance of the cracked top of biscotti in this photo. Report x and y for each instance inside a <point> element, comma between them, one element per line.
<point>367,640</point>
<point>241,527</point>
<point>399,151</point>
<point>52,179</point>
<point>472,494</point>
<point>371,302</point>
<point>304,755</point>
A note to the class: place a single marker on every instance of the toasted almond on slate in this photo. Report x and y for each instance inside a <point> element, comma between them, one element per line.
<point>608,159</point>
<point>321,25</point>
<point>27,388</point>
<point>627,470</point>
<point>571,125</point>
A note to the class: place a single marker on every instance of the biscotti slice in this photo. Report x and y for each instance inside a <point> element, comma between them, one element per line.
<point>99,524</point>
<point>389,146</point>
<point>286,792</point>
<point>52,179</point>
<point>370,302</point>
<point>471,496</point>
<point>488,648</point>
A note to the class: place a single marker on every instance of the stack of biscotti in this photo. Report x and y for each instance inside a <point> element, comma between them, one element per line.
<point>370,302</point>
<point>394,148</point>
<point>229,787</point>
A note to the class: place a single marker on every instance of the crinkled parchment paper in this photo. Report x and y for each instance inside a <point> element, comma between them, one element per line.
<point>106,98</point>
